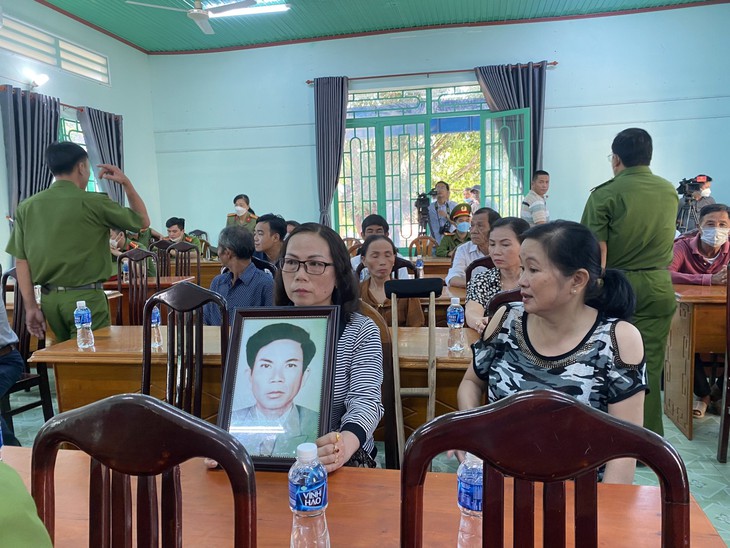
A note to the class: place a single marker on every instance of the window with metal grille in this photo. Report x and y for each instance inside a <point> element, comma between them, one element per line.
<point>70,130</point>
<point>33,43</point>
<point>399,143</point>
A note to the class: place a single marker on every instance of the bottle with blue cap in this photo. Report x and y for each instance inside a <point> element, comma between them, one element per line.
<point>82,321</point>
<point>470,478</point>
<point>308,499</point>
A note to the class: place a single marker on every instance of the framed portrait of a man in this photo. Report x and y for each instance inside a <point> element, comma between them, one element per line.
<point>276,389</point>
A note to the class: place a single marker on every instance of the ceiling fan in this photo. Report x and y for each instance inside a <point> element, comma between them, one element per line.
<point>201,15</point>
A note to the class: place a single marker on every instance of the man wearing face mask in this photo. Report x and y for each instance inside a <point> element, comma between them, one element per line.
<point>176,232</point>
<point>700,198</point>
<point>461,218</point>
<point>244,215</point>
<point>702,259</point>
<point>120,242</point>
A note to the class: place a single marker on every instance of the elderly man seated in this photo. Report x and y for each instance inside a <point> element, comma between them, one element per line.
<point>701,258</point>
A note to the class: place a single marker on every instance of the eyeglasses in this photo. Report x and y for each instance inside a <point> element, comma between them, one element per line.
<point>315,268</point>
<point>610,158</point>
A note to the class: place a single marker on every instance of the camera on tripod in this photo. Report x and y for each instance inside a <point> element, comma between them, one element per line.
<point>421,204</point>
<point>687,187</point>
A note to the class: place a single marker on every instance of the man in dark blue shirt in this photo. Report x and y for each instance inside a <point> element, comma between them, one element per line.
<point>241,284</point>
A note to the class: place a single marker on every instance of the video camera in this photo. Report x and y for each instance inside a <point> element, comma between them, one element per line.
<point>687,187</point>
<point>421,204</point>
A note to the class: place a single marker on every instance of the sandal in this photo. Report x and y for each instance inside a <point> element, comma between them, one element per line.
<point>699,408</point>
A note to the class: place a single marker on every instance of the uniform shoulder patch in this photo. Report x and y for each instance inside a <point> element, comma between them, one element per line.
<point>188,239</point>
<point>602,185</point>
<point>231,215</point>
<point>252,216</point>
<point>133,245</point>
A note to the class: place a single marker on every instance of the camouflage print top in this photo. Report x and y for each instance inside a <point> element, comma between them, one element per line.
<point>593,372</point>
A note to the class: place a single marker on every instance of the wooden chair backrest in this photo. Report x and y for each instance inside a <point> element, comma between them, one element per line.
<point>139,286</point>
<point>137,435</point>
<point>388,393</point>
<point>422,245</point>
<point>350,242</point>
<point>549,437</point>
<point>17,322</point>
<point>184,373</point>
<point>485,262</point>
<point>503,297</point>
<point>353,249</point>
<point>163,261</point>
<point>183,251</point>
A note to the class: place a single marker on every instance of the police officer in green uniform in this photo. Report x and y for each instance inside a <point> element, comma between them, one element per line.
<point>176,232</point>
<point>461,218</point>
<point>120,242</point>
<point>142,237</point>
<point>243,216</point>
<point>633,217</point>
<point>60,240</point>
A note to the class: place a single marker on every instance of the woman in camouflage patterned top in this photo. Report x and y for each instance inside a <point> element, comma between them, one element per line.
<point>569,334</point>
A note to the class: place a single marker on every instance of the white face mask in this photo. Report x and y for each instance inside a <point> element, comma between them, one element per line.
<point>112,243</point>
<point>240,211</point>
<point>705,192</point>
<point>714,237</point>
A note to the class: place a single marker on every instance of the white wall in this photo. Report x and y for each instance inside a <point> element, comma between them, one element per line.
<point>243,121</point>
<point>128,95</point>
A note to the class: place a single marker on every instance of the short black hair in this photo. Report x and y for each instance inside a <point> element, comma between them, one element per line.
<point>493,215</point>
<point>515,224</point>
<point>633,146</point>
<point>714,208</point>
<point>62,157</point>
<point>176,221</point>
<point>375,220</point>
<point>241,196</point>
<point>443,183</point>
<point>293,223</point>
<point>277,224</point>
<point>238,240</point>
<point>538,173</point>
<point>278,332</point>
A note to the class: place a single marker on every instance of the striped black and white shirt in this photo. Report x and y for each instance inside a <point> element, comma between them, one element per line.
<point>356,399</point>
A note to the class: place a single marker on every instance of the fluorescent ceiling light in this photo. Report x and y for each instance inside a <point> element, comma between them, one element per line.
<point>273,8</point>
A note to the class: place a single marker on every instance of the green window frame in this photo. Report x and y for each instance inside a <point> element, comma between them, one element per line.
<point>70,130</point>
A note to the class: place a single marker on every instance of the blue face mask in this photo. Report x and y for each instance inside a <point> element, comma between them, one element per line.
<point>463,226</point>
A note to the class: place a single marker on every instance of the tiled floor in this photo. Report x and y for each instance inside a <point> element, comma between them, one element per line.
<point>709,479</point>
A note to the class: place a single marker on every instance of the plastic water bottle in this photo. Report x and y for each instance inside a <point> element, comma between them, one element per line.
<point>471,485</point>
<point>308,499</point>
<point>156,339</point>
<point>125,271</point>
<point>419,266</point>
<point>82,319</point>
<point>455,321</point>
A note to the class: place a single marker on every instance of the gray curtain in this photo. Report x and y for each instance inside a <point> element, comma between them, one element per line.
<point>510,87</point>
<point>103,136</point>
<point>330,112</point>
<point>30,124</point>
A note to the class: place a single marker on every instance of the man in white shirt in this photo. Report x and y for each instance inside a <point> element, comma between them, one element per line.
<point>478,247</point>
<point>372,225</point>
<point>534,205</point>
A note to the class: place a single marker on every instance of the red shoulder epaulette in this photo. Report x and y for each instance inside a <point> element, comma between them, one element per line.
<point>188,239</point>
<point>133,245</point>
<point>231,215</point>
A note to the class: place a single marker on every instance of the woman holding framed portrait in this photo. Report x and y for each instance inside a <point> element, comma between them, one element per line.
<point>315,270</point>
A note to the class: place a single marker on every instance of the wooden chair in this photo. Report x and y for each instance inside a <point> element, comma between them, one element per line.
<point>484,262</point>
<point>350,242</point>
<point>200,234</point>
<point>549,437</point>
<point>139,287</point>
<point>399,263</point>
<point>184,369</point>
<point>182,252</point>
<point>29,379</point>
<point>137,435</point>
<point>354,249</point>
<point>501,298</point>
<point>163,261</point>
<point>722,441</point>
<point>388,392</point>
<point>415,289</point>
<point>423,246</point>
<point>261,264</point>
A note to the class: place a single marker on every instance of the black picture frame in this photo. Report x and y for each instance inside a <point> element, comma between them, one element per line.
<point>271,442</point>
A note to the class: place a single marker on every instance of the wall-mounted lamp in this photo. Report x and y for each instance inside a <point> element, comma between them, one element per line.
<point>35,79</point>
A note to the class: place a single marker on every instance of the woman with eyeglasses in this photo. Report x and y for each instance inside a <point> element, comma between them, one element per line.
<point>315,270</point>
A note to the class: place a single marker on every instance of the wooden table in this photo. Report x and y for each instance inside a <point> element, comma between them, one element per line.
<point>114,366</point>
<point>437,267</point>
<point>450,367</point>
<point>208,271</point>
<point>364,508</point>
<point>698,326</point>
<point>165,282</point>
